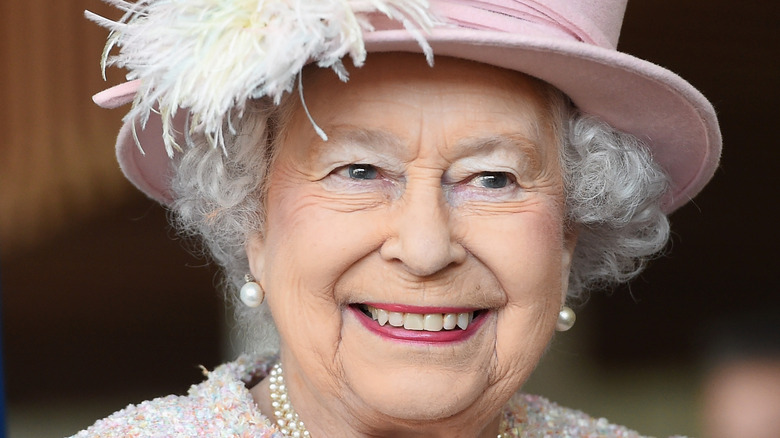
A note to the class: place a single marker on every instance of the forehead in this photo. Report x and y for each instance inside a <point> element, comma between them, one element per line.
<point>399,99</point>
<point>396,67</point>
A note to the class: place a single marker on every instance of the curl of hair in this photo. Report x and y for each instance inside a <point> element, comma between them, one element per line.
<point>613,203</point>
<point>220,199</point>
<point>614,190</point>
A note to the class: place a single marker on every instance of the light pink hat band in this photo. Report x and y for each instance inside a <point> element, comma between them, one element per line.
<point>517,17</point>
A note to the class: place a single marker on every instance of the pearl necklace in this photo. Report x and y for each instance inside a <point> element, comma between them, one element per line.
<point>286,417</point>
<point>292,426</point>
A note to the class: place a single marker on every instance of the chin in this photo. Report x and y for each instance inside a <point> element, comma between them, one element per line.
<point>412,381</point>
<point>414,395</point>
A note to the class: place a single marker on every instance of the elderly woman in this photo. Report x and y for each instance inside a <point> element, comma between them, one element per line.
<point>410,227</point>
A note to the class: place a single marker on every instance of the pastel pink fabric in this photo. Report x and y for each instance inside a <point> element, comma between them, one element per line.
<point>569,44</point>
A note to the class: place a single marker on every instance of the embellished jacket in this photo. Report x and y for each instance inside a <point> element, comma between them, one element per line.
<point>222,406</point>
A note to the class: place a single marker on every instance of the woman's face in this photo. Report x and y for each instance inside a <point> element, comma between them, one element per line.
<point>436,200</point>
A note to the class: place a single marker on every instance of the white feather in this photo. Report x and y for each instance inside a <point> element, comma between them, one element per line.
<point>212,56</point>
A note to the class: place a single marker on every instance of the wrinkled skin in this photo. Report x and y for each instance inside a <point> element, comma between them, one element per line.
<point>437,188</point>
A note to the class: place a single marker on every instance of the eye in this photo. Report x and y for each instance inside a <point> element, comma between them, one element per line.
<point>364,179</point>
<point>362,171</point>
<point>492,180</point>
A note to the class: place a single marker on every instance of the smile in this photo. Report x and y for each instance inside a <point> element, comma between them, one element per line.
<point>428,325</point>
<point>431,322</point>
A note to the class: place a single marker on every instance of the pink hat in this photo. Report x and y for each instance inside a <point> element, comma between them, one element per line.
<point>569,44</point>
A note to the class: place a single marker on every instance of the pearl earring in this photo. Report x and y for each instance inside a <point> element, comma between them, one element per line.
<point>252,294</point>
<point>566,318</point>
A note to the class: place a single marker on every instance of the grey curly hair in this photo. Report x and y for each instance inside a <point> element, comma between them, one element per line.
<point>613,199</point>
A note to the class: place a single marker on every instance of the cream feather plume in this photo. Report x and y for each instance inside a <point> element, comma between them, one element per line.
<point>210,56</point>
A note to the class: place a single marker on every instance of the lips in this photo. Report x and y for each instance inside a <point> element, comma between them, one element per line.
<point>419,324</point>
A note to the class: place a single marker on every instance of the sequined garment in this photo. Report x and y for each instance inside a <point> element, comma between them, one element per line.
<point>222,407</point>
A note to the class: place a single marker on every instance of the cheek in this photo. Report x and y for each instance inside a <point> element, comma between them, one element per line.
<point>319,242</point>
<point>308,247</point>
<point>524,251</point>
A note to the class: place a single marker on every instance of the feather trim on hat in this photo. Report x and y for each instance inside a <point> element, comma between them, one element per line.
<point>211,56</point>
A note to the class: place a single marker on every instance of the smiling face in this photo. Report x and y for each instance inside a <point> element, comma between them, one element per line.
<point>435,205</point>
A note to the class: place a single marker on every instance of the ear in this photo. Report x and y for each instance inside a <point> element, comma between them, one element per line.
<point>255,252</point>
<point>569,244</point>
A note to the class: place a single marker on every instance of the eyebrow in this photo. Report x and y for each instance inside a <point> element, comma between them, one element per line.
<point>371,139</point>
<point>386,143</point>
<point>529,151</point>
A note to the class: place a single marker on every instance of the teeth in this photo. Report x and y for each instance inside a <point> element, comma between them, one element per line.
<point>450,321</point>
<point>432,322</point>
<point>396,319</point>
<point>463,320</point>
<point>413,321</point>
<point>381,316</point>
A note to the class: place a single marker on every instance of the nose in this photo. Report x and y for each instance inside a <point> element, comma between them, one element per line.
<point>422,237</point>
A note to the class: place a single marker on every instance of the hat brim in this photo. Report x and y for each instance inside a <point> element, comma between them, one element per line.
<point>674,119</point>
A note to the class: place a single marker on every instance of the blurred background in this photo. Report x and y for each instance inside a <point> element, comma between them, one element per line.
<point>104,306</point>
